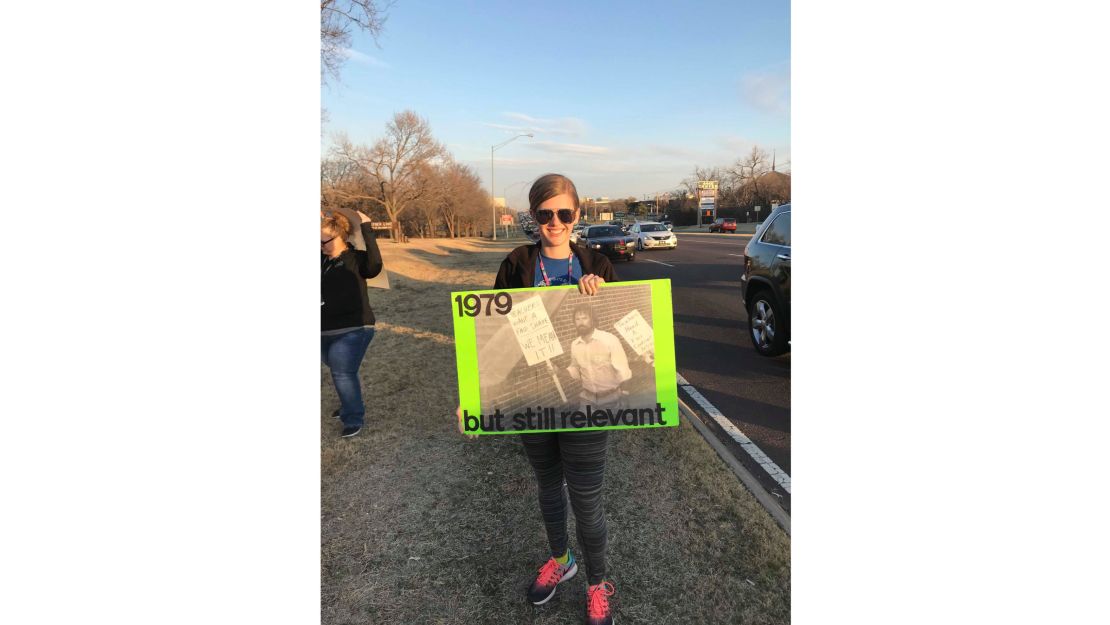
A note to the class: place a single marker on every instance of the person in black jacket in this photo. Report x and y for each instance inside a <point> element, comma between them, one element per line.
<point>347,323</point>
<point>574,458</point>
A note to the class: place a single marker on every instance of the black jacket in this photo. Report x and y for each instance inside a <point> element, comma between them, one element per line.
<point>518,270</point>
<point>343,299</point>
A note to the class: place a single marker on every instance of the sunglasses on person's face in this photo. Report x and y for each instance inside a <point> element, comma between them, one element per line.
<point>323,243</point>
<point>544,215</point>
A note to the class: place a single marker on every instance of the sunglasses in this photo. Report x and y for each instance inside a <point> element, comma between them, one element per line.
<point>323,243</point>
<point>544,215</point>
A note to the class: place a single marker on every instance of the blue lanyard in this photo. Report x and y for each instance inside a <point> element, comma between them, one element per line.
<point>570,270</point>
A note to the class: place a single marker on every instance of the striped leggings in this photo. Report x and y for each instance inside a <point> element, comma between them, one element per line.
<point>579,458</point>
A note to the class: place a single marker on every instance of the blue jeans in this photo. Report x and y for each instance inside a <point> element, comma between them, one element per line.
<point>343,354</point>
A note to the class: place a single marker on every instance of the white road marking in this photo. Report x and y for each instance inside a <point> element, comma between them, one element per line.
<point>746,443</point>
<point>657,262</point>
<point>741,255</point>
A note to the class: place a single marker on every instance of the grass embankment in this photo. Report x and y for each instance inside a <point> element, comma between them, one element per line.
<point>420,525</point>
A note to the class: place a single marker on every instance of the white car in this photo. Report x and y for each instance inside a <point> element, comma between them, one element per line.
<point>651,235</point>
<point>578,228</point>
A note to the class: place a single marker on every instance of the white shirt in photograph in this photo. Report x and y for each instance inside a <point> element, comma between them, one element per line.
<point>600,362</point>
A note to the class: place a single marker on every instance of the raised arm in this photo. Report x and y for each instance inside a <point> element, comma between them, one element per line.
<point>370,261</point>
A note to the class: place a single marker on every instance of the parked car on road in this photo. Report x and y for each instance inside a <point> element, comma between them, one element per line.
<point>765,284</point>
<point>608,240</point>
<point>652,234</point>
<point>723,224</point>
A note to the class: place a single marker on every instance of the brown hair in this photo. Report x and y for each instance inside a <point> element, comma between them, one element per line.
<point>548,186</point>
<point>586,309</point>
<point>336,223</point>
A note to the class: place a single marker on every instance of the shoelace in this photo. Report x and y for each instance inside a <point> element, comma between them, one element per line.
<point>597,599</point>
<point>550,573</point>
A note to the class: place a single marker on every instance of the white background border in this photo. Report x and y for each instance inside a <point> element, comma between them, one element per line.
<point>160,453</point>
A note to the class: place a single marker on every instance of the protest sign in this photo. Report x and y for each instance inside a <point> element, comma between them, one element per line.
<point>550,359</point>
<point>533,330</point>
<point>536,336</point>
<point>636,332</point>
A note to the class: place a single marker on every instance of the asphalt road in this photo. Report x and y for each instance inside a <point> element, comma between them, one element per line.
<point>712,348</point>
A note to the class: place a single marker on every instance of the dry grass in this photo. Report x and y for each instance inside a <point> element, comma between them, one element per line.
<point>420,525</point>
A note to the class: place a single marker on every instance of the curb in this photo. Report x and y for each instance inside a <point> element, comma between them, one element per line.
<point>764,498</point>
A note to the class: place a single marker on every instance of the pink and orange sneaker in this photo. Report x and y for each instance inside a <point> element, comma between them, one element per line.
<point>598,610</point>
<point>551,575</point>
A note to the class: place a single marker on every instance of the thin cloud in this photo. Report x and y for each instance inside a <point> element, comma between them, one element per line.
<point>734,144</point>
<point>671,151</point>
<point>508,127</point>
<point>767,91</point>
<point>364,59</point>
<point>562,126</point>
<point>510,162</point>
<point>568,148</point>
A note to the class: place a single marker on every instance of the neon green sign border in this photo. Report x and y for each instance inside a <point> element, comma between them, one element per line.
<point>666,383</point>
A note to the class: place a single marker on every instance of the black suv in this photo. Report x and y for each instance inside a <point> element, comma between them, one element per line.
<point>765,284</point>
<point>609,240</point>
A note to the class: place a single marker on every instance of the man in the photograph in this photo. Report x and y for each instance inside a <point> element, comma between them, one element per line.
<point>598,361</point>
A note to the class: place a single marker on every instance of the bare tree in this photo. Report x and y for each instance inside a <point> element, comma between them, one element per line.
<point>462,196</point>
<point>747,171</point>
<point>690,183</point>
<point>422,216</point>
<point>337,19</point>
<point>453,195</point>
<point>397,164</point>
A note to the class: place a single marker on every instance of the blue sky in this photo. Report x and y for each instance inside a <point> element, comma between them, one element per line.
<point>623,97</point>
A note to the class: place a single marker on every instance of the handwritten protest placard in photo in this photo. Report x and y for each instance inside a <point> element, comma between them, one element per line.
<point>636,332</point>
<point>550,359</point>
<point>533,330</point>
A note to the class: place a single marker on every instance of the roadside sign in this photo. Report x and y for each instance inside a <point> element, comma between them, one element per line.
<point>707,189</point>
<point>506,220</point>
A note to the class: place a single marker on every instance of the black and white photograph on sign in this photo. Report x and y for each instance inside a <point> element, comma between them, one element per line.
<point>558,348</point>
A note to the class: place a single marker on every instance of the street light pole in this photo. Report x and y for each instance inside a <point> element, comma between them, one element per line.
<point>492,192</point>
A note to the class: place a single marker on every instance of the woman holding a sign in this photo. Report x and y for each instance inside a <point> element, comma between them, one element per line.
<point>347,323</point>
<point>576,458</point>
